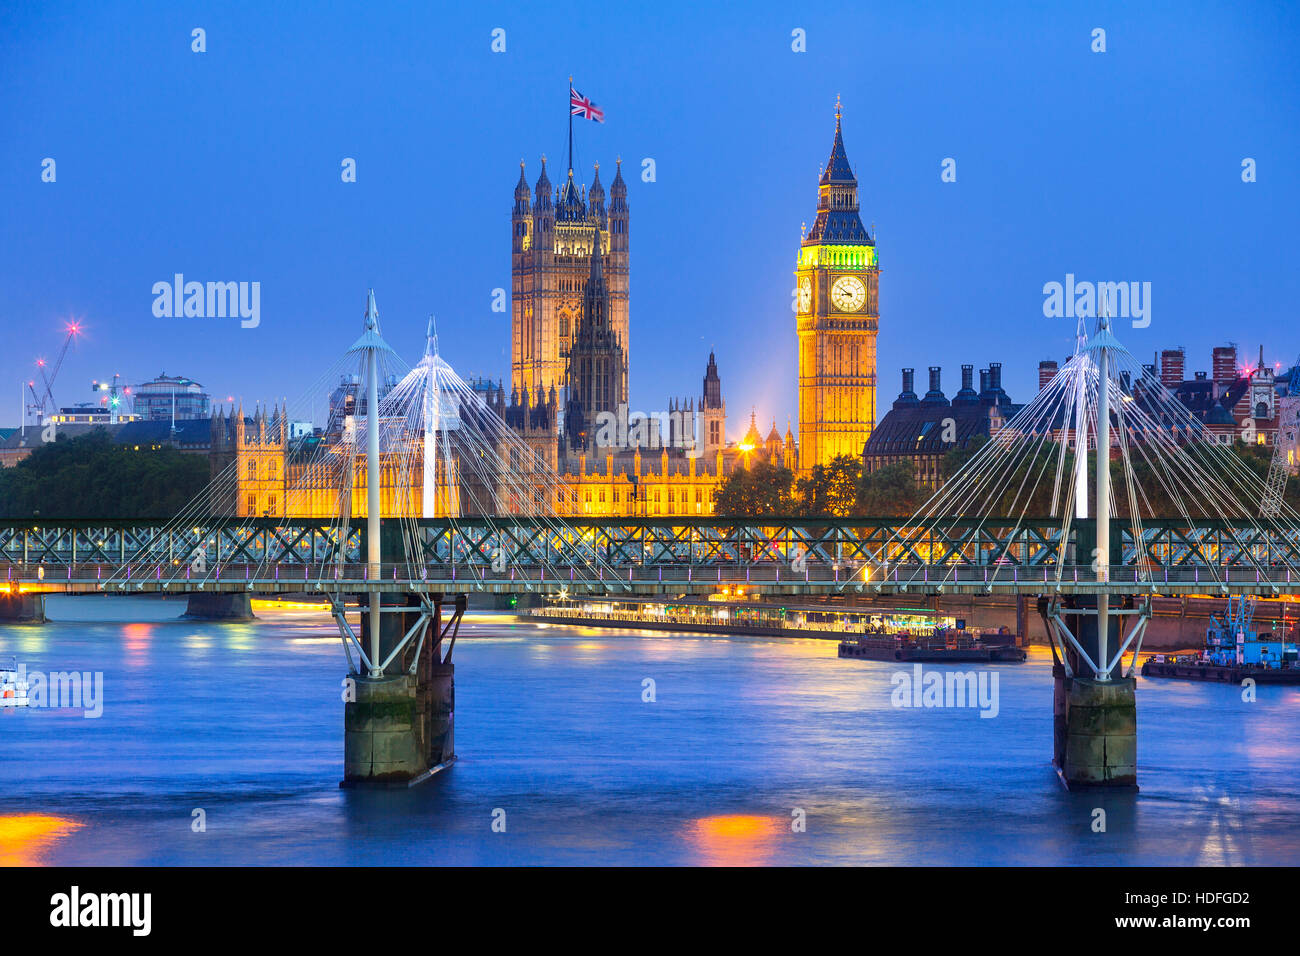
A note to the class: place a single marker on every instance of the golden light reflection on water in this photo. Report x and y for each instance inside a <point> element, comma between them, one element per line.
<point>736,839</point>
<point>136,640</point>
<point>26,837</point>
<point>23,639</point>
<point>198,641</point>
<point>481,617</point>
<point>239,637</point>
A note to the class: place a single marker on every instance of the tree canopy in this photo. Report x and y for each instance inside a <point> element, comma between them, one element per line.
<point>764,489</point>
<point>890,490</point>
<point>92,476</point>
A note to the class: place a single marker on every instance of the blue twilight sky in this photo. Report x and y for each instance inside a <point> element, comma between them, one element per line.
<point>225,165</point>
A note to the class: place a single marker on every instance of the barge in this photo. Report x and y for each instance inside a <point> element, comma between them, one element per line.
<point>941,645</point>
<point>923,634</point>
<point>1234,651</point>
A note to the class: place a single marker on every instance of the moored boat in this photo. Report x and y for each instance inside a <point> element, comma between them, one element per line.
<point>13,686</point>
<point>1234,651</point>
<point>940,645</point>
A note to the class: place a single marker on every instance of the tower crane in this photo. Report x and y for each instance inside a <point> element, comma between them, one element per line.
<point>45,400</point>
<point>1288,425</point>
<point>113,400</point>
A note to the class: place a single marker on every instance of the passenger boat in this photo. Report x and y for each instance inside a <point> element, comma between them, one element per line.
<point>13,689</point>
<point>940,645</point>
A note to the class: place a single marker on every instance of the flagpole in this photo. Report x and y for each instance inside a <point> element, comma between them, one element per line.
<point>570,122</point>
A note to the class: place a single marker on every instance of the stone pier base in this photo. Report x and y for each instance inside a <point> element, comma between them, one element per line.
<point>1095,729</point>
<point>399,730</point>
<point>219,606</point>
<point>22,608</point>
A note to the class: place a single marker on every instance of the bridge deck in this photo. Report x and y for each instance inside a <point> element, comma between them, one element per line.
<point>651,556</point>
<point>768,578</point>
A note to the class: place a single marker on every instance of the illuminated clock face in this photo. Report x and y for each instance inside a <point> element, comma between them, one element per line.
<point>848,293</point>
<point>805,294</point>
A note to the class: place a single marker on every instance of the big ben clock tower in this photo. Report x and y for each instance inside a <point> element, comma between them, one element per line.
<point>838,315</point>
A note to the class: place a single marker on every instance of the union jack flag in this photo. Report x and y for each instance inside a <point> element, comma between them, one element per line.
<point>579,105</point>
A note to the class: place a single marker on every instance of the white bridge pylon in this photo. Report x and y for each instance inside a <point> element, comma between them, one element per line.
<point>1104,424</point>
<point>398,444</point>
<point>436,448</point>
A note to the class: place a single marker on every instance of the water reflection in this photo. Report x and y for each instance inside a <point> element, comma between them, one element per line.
<point>551,725</point>
<point>736,839</point>
<point>26,837</point>
<point>241,638</point>
<point>136,639</point>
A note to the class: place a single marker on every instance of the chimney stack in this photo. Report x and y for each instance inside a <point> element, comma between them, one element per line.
<point>1171,368</point>
<point>935,395</point>
<point>1046,372</point>
<point>995,376</point>
<point>1224,367</point>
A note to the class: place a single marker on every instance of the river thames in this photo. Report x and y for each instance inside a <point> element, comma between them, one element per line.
<point>753,751</point>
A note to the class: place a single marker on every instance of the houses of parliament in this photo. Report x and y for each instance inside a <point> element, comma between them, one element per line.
<point>570,349</point>
<point>570,249</point>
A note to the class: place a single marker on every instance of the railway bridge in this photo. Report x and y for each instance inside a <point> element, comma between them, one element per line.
<point>432,496</point>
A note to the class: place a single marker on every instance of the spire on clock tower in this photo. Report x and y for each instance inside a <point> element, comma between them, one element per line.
<point>837,199</point>
<point>838,169</point>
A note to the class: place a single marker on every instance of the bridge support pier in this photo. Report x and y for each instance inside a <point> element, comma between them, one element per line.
<point>1095,729</point>
<point>218,606</point>
<point>22,608</point>
<point>398,726</point>
<point>1094,721</point>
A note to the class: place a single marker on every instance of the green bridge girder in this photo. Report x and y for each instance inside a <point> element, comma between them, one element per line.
<point>512,553</point>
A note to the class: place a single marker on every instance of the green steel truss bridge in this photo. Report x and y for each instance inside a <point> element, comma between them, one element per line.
<point>650,556</point>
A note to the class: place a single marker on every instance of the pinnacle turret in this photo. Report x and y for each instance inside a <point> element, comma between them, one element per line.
<point>523,196</point>
<point>596,199</point>
<point>571,207</point>
<point>542,191</point>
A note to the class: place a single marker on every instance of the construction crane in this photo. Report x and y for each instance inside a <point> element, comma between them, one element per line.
<point>34,406</point>
<point>44,401</point>
<point>1288,425</point>
<point>113,401</point>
